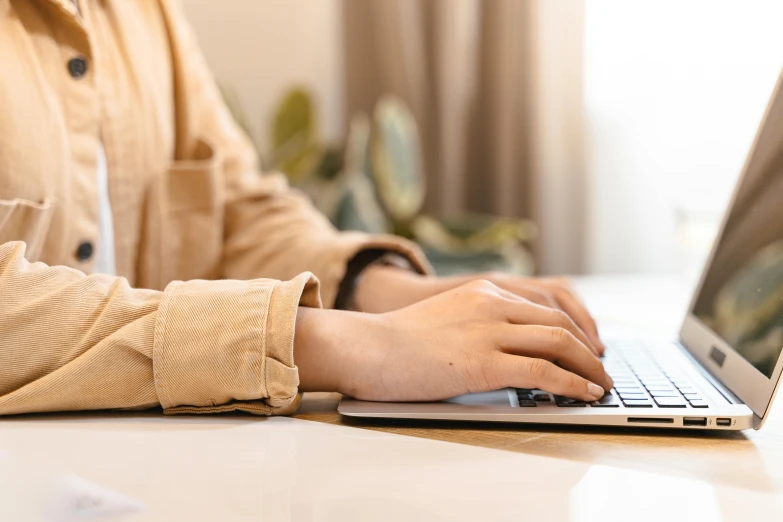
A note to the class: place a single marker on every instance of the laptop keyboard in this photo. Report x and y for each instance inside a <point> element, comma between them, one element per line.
<point>640,381</point>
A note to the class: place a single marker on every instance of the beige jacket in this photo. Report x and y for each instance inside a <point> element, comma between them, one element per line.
<point>188,325</point>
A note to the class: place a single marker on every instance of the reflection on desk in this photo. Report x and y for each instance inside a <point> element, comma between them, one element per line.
<point>282,469</point>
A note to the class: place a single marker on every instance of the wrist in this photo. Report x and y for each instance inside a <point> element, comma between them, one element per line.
<point>333,349</point>
<point>313,351</point>
<point>386,288</point>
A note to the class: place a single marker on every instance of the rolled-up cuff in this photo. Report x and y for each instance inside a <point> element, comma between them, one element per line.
<point>228,345</point>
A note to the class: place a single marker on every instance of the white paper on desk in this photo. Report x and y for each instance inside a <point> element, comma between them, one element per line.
<point>33,492</point>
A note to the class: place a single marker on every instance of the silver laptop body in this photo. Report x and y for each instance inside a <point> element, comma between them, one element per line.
<point>723,371</point>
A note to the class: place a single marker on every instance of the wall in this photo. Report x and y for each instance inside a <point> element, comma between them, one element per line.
<point>262,47</point>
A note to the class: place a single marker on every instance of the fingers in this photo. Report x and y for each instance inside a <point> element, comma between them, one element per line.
<point>556,293</point>
<point>522,312</point>
<point>576,309</point>
<point>539,297</point>
<point>555,345</point>
<point>525,372</point>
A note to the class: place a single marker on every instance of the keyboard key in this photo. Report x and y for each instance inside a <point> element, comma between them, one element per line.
<point>607,401</point>
<point>670,393</point>
<point>568,403</point>
<point>638,403</point>
<point>527,403</point>
<point>699,404</point>
<point>542,397</point>
<point>657,387</point>
<point>692,396</point>
<point>686,389</point>
<point>649,376</point>
<point>629,389</point>
<point>657,381</point>
<point>632,396</point>
<point>670,402</point>
<point>524,396</point>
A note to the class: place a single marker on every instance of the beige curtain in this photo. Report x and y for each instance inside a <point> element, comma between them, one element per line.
<point>496,88</point>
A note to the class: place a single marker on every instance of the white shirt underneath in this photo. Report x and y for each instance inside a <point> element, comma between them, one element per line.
<point>104,252</point>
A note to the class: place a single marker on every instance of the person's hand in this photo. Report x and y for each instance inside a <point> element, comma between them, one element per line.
<point>477,337</point>
<point>383,289</point>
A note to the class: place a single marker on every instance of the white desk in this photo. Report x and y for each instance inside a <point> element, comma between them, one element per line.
<point>283,469</point>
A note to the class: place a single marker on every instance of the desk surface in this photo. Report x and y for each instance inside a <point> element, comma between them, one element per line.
<point>292,469</point>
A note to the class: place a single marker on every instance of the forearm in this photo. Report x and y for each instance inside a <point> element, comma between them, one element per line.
<point>74,342</point>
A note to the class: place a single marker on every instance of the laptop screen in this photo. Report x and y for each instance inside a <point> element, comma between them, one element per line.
<point>741,298</point>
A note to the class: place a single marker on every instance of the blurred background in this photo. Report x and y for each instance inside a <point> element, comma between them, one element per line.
<point>555,136</point>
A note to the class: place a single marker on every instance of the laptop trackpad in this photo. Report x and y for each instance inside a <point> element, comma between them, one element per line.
<point>493,398</point>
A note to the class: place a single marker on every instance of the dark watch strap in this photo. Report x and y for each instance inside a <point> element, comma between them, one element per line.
<point>357,265</point>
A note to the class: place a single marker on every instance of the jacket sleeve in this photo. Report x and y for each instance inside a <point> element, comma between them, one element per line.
<point>75,342</point>
<point>270,229</point>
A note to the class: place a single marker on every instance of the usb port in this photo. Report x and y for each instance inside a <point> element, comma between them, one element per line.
<point>723,421</point>
<point>694,421</point>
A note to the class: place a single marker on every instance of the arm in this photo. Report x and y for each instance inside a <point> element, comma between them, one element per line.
<point>75,342</point>
<point>270,229</point>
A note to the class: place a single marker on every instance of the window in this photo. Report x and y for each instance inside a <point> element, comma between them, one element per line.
<point>674,92</point>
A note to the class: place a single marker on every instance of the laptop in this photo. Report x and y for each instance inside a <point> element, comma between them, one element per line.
<point>723,370</point>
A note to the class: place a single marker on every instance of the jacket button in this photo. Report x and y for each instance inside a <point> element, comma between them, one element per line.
<point>77,67</point>
<point>84,252</point>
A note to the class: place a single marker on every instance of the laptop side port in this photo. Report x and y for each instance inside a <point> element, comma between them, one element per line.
<point>694,421</point>
<point>652,420</point>
<point>722,421</point>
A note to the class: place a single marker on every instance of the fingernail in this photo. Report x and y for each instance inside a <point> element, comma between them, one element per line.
<point>595,391</point>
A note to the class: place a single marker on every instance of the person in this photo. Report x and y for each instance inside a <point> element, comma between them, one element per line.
<point>146,262</point>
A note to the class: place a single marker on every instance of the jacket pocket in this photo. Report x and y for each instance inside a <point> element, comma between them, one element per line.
<point>28,221</point>
<point>184,222</point>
